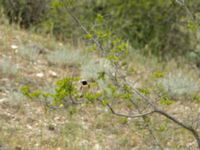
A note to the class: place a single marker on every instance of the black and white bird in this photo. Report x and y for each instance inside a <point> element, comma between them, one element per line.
<point>85,86</point>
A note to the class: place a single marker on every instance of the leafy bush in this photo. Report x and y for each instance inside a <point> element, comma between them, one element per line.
<point>194,56</point>
<point>155,27</point>
<point>64,91</point>
<point>25,12</point>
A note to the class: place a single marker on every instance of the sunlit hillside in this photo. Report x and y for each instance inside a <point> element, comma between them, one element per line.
<point>134,102</point>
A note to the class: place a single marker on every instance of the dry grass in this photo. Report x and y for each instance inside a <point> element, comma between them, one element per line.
<point>25,124</point>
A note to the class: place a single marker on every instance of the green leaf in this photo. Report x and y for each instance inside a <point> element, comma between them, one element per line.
<point>92,96</point>
<point>158,74</point>
<point>144,91</point>
<point>162,127</point>
<point>192,26</point>
<point>126,96</point>
<point>88,36</point>
<point>105,102</point>
<point>101,75</point>
<point>36,94</point>
<point>56,4</point>
<point>25,90</point>
<point>99,18</point>
<point>197,99</point>
<point>166,101</point>
<point>123,120</point>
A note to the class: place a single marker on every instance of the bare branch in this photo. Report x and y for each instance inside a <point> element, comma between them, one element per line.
<point>192,130</point>
<point>129,116</point>
<point>98,44</point>
<point>147,99</point>
<point>148,125</point>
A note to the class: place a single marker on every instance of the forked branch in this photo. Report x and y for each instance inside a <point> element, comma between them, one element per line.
<point>129,116</point>
<point>146,99</point>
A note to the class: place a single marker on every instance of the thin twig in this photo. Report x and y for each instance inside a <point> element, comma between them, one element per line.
<point>98,44</point>
<point>192,130</point>
<point>151,131</point>
<point>129,116</point>
<point>149,101</point>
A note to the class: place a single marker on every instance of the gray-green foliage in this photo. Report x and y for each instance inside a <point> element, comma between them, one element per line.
<point>94,68</point>
<point>66,57</point>
<point>7,68</point>
<point>179,85</point>
<point>30,52</point>
<point>15,98</point>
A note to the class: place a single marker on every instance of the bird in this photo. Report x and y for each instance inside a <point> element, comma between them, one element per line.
<point>85,86</point>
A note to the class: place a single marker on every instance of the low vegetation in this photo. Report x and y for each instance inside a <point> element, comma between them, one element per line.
<point>102,92</point>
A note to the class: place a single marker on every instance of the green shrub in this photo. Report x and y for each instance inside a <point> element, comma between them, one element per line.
<point>194,56</point>
<point>25,12</point>
<point>63,92</point>
<point>154,27</point>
